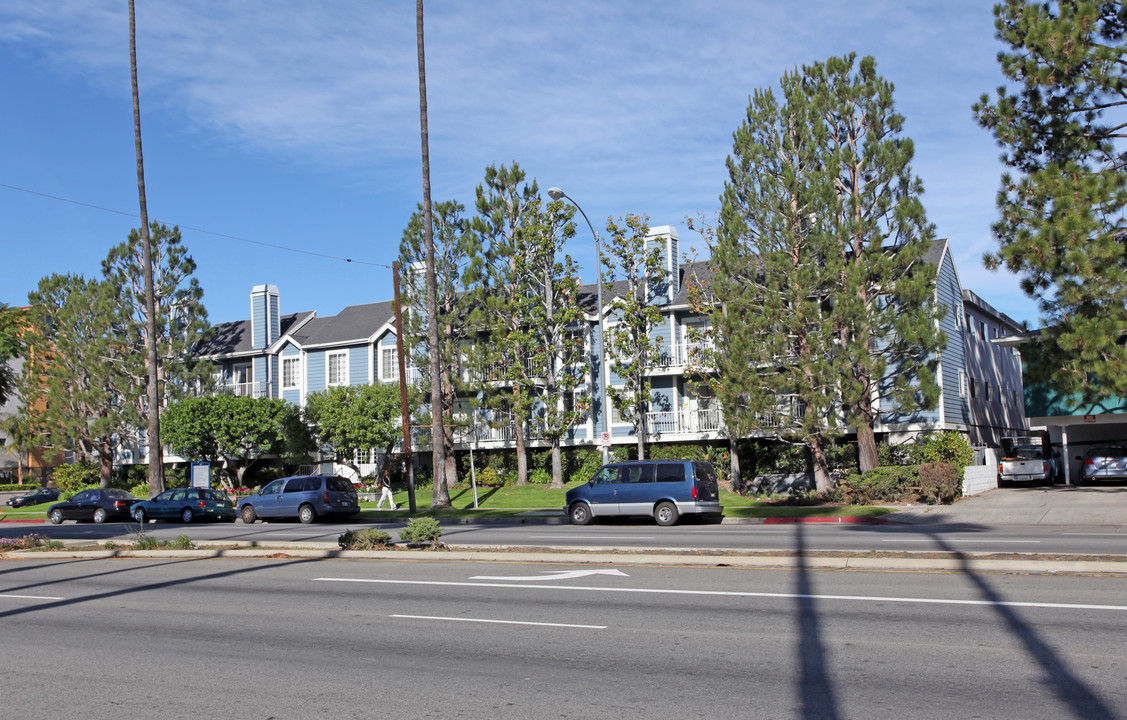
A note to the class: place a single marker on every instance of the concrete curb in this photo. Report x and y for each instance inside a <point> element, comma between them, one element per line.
<point>604,556</point>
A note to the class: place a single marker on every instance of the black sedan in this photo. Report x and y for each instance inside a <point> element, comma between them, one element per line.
<point>99,505</point>
<point>35,497</point>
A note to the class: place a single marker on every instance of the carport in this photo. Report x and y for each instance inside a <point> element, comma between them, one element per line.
<point>1072,427</point>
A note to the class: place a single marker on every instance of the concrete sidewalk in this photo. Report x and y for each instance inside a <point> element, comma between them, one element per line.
<point>1097,506</point>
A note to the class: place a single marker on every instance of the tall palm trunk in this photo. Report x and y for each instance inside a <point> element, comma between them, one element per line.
<point>440,493</point>
<point>156,453</point>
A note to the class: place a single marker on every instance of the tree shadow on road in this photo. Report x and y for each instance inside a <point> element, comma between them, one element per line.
<point>146,587</point>
<point>1070,690</point>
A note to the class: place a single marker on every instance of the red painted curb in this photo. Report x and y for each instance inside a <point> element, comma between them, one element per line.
<point>825,519</point>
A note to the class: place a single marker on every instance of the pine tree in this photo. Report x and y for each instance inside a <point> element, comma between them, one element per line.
<point>1061,207</point>
<point>457,270</point>
<point>825,303</point>
<point>776,267</point>
<point>180,320</point>
<point>508,300</point>
<point>72,377</point>
<point>554,321</point>
<point>633,265</point>
<point>884,311</point>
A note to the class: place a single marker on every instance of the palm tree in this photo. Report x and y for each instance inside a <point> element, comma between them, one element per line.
<point>440,493</point>
<point>156,453</point>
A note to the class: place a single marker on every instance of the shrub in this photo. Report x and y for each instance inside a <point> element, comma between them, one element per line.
<point>489,477</point>
<point>421,530</point>
<point>950,447</point>
<point>940,482</point>
<point>72,478</point>
<point>906,454</point>
<point>580,464</point>
<point>540,476</point>
<point>141,490</point>
<point>882,484</point>
<point>366,539</point>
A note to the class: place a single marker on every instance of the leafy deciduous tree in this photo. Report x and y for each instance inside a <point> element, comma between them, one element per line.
<point>354,419</point>
<point>236,430</point>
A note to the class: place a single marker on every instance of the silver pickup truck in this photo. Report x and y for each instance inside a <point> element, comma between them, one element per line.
<point>1028,460</point>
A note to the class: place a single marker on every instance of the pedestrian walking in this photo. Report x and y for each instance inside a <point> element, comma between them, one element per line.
<point>385,491</point>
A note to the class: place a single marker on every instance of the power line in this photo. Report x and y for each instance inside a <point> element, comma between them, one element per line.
<point>196,229</point>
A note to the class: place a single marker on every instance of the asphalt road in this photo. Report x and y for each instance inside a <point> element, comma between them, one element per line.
<point>637,534</point>
<point>299,638</point>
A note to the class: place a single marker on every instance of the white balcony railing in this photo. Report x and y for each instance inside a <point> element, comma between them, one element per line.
<point>245,389</point>
<point>683,421</point>
<point>685,353</point>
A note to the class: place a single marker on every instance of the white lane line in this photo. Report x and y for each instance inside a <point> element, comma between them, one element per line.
<point>499,622</point>
<point>31,597</point>
<point>735,593</point>
<point>591,537</point>
<point>950,541</point>
<point>1122,535</point>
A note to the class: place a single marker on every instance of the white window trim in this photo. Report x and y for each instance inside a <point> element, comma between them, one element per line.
<point>296,374</point>
<point>962,383</point>
<point>329,366</point>
<point>389,374</point>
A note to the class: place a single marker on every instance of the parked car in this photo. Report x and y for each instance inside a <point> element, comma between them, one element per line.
<point>665,489</point>
<point>35,497</point>
<point>305,497</point>
<point>1108,462</point>
<point>99,505</point>
<point>186,505</point>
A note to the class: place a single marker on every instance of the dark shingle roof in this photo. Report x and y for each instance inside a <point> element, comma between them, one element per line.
<point>354,323</point>
<point>234,337</point>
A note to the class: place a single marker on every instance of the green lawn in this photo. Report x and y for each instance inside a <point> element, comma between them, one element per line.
<point>510,501</point>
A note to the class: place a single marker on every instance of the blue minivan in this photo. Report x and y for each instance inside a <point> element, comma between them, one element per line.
<point>665,489</point>
<point>305,497</point>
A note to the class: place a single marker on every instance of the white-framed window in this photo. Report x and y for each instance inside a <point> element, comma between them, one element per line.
<point>291,373</point>
<point>959,318</point>
<point>962,383</point>
<point>389,363</point>
<point>616,416</point>
<point>336,368</point>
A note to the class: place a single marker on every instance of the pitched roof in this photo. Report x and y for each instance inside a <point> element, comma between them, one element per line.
<point>355,323</point>
<point>234,337</point>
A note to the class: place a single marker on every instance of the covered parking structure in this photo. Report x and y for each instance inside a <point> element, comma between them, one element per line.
<point>1073,427</point>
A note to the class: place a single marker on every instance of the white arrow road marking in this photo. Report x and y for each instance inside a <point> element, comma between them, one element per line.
<point>553,575</point>
<point>500,622</point>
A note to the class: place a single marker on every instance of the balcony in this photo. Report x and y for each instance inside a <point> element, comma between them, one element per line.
<point>676,357</point>
<point>673,422</point>
<point>245,389</point>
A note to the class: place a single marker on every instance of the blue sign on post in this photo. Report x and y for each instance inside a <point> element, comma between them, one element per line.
<point>200,475</point>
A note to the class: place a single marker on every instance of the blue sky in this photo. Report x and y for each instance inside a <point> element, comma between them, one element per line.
<point>295,124</point>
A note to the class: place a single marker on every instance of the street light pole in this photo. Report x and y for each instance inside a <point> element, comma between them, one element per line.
<point>604,410</point>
